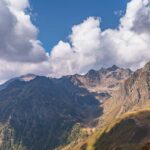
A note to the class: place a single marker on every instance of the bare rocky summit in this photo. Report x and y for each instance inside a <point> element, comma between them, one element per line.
<point>102,82</point>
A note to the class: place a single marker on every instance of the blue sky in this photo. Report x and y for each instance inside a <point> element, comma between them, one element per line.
<point>55,18</point>
<point>89,46</point>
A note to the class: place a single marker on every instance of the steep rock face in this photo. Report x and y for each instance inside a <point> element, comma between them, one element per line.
<point>133,94</point>
<point>137,87</point>
<point>39,114</point>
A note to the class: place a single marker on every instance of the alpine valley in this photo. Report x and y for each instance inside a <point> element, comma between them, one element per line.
<point>106,109</point>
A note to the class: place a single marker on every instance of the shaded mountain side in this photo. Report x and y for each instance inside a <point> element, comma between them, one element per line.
<point>40,114</point>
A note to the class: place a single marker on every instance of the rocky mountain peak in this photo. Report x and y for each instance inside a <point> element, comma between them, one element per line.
<point>27,77</point>
<point>92,73</point>
<point>103,82</point>
<point>147,67</point>
<point>113,68</point>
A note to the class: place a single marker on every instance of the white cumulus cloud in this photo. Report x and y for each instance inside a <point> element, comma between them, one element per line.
<point>18,36</point>
<point>88,47</point>
<point>81,53</point>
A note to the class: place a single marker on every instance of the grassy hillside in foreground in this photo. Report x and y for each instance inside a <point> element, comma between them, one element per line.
<point>130,132</point>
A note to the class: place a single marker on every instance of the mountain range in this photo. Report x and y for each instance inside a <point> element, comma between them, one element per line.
<point>106,109</point>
